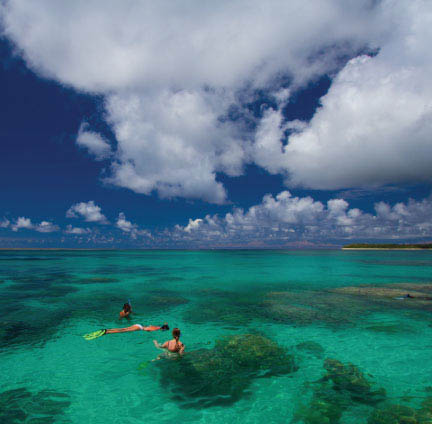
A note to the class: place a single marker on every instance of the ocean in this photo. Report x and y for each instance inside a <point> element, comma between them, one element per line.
<point>271,336</point>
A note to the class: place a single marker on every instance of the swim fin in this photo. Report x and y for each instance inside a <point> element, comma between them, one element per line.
<point>94,335</point>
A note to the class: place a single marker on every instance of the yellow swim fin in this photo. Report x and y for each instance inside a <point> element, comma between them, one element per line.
<point>94,335</point>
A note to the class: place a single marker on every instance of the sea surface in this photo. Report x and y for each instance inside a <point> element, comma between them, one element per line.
<point>343,357</point>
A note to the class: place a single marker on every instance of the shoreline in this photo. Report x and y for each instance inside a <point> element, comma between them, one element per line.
<point>384,248</point>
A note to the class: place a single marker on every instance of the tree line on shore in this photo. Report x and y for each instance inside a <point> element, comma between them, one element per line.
<point>387,246</point>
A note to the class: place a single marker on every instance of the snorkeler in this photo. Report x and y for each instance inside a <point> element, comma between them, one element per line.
<point>409,296</point>
<point>126,311</point>
<point>174,345</point>
<point>135,327</point>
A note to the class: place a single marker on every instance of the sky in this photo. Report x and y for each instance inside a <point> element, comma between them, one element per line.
<point>202,124</point>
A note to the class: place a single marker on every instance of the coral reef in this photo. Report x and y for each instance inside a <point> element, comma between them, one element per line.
<point>21,405</point>
<point>401,414</point>
<point>221,375</point>
<point>348,378</point>
<point>325,407</point>
<point>342,387</point>
<point>97,280</point>
<point>392,296</point>
<point>226,308</point>
<point>313,307</point>
<point>311,347</point>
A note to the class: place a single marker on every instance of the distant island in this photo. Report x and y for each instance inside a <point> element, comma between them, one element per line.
<point>387,246</point>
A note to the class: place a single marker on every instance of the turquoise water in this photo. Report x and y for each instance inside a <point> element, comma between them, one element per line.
<point>50,299</point>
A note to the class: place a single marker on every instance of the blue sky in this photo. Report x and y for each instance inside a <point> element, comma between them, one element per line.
<point>236,125</point>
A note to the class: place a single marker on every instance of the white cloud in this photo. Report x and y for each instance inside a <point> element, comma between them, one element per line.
<point>193,225</point>
<point>125,225</point>
<point>128,227</point>
<point>167,90</point>
<point>172,143</point>
<point>77,230</point>
<point>46,227</point>
<point>108,46</point>
<point>22,222</point>
<point>87,210</point>
<point>5,223</point>
<point>375,124</point>
<point>95,144</point>
<point>285,218</point>
<point>26,223</point>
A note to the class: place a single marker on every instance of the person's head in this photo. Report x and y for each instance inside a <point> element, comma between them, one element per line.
<point>126,307</point>
<point>176,333</point>
<point>164,327</point>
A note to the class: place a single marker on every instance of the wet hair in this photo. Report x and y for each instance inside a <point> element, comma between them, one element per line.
<point>176,335</point>
<point>164,327</point>
<point>126,307</point>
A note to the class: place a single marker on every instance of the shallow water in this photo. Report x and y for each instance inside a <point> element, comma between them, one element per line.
<point>50,299</point>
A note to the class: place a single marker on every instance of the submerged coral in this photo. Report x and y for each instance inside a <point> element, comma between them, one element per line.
<point>161,301</point>
<point>402,414</point>
<point>393,414</point>
<point>313,307</point>
<point>218,376</point>
<point>348,378</point>
<point>392,296</point>
<point>311,347</point>
<point>97,280</point>
<point>226,308</point>
<point>342,387</point>
<point>325,407</point>
<point>21,405</point>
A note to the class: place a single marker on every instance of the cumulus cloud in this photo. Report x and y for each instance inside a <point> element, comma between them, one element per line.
<point>123,224</point>
<point>173,144</point>
<point>92,141</point>
<point>46,227</point>
<point>77,230</point>
<point>286,218</point>
<point>130,228</point>
<point>87,210</point>
<point>22,222</point>
<point>5,223</point>
<point>219,44</point>
<point>26,223</point>
<point>193,225</point>
<point>167,92</point>
<point>374,126</point>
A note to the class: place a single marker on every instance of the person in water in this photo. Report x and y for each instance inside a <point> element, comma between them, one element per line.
<point>137,327</point>
<point>126,311</point>
<point>174,345</point>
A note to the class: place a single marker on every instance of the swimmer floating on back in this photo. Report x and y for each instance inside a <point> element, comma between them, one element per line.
<point>135,327</point>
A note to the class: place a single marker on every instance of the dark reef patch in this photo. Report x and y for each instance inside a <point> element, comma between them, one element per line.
<point>96,280</point>
<point>343,387</point>
<point>23,406</point>
<point>37,329</point>
<point>401,414</point>
<point>313,307</point>
<point>349,379</point>
<point>220,376</point>
<point>311,347</point>
<point>391,296</point>
<point>163,301</point>
<point>326,406</point>
<point>227,308</point>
